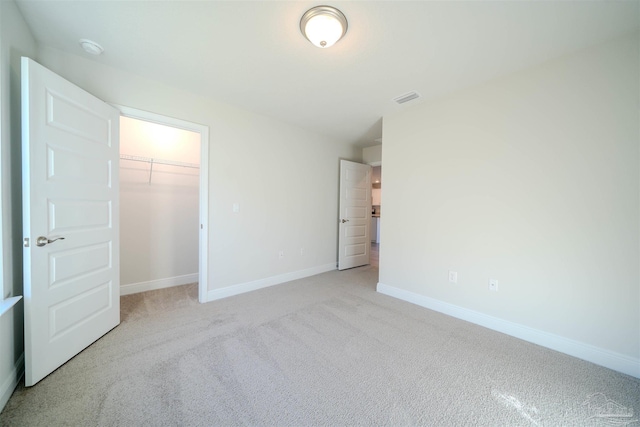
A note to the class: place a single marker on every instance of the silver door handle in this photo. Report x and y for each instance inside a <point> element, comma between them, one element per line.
<point>41,241</point>
<point>345,220</point>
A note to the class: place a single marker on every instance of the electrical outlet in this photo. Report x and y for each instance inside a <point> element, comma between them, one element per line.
<point>302,251</point>
<point>493,285</point>
<point>453,276</point>
<point>281,254</point>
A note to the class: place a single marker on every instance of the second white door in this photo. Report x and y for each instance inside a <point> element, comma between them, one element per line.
<point>354,239</point>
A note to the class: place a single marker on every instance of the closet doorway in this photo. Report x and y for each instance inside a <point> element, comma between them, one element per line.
<point>163,202</point>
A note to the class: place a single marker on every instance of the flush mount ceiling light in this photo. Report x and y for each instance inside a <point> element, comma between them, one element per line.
<point>323,25</point>
<point>91,47</point>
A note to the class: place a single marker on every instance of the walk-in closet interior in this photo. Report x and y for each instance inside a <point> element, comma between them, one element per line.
<point>159,201</point>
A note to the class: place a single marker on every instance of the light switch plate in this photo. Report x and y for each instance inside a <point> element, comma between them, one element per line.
<point>453,276</point>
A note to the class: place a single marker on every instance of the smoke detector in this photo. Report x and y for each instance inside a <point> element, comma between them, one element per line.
<point>91,47</point>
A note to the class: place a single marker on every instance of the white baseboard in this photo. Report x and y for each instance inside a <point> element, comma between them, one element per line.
<point>609,359</point>
<point>134,288</point>
<point>10,383</point>
<point>269,281</point>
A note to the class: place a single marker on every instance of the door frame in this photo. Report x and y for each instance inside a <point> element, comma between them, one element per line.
<point>203,130</point>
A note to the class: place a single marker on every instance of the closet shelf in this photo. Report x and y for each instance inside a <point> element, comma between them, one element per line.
<point>159,161</point>
<point>153,161</point>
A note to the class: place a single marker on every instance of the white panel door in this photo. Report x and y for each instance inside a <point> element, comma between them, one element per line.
<point>354,239</point>
<point>70,219</point>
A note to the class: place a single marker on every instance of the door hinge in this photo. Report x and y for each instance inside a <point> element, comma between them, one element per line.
<point>25,241</point>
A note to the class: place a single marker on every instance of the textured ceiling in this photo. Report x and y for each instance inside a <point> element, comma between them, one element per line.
<point>251,53</point>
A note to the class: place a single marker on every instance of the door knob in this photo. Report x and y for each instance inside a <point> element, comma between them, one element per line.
<point>41,241</point>
<point>345,220</point>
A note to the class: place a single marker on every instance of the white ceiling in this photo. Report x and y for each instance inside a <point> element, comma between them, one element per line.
<point>252,54</point>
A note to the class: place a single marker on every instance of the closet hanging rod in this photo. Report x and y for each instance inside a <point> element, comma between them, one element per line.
<point>159,161</point>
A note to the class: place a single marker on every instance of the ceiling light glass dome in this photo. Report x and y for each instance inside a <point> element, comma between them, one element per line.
<point>323,25</point>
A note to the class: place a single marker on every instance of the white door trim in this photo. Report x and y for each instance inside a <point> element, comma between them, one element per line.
<point>204,182</point>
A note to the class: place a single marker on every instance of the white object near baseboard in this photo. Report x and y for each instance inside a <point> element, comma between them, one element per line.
<point>269,281</point>
<point>609,359</point>
<point>134,288</point>
<point>11,381</point>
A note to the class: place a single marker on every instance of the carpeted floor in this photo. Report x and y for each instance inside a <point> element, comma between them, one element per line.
<point>326,350</point>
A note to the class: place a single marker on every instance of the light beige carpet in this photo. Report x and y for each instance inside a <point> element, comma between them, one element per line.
<point>326,350</point>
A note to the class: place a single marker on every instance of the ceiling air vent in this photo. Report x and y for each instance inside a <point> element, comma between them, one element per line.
<point>406,97</point>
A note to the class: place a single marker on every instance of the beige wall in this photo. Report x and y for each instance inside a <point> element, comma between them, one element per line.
<point>531,179</point>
